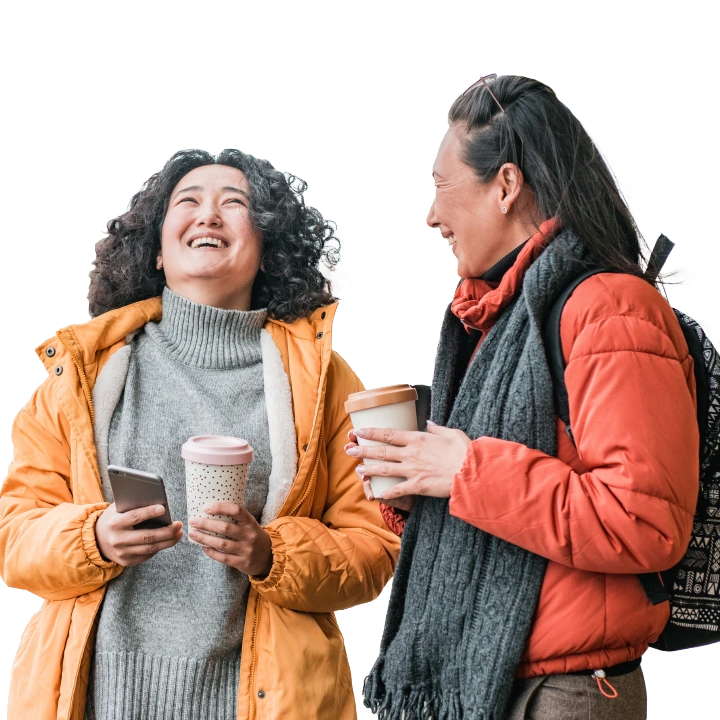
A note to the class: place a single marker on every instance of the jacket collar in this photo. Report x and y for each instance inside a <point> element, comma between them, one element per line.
<point>86,340</point>
<point>307,328</point>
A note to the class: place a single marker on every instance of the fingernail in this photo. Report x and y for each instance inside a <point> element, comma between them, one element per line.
<point>360,469</point>
<point>359,433</point>
<point>159,509</point>
<point>380,496</point>
<point>355,452</point>
<point>430,422</point>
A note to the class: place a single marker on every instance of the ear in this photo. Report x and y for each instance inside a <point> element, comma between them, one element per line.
<point>159,262</point>
<point>510,184</point>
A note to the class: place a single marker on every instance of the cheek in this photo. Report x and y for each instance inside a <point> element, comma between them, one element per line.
<point>173,228</point>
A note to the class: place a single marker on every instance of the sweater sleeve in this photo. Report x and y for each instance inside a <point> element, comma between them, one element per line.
<point>345,557</point>
<point>629,382</point>
<point>47,542</point>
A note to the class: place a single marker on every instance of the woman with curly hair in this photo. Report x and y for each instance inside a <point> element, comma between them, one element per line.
<point>210,316</point>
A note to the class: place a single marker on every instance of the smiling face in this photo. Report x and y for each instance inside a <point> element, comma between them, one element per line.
<point>210,252</point>
<point>469,213</point>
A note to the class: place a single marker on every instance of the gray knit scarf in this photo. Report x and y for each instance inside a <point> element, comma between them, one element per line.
<point>462,600</point>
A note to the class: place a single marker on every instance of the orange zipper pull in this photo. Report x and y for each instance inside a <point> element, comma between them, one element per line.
<point>600,678</point>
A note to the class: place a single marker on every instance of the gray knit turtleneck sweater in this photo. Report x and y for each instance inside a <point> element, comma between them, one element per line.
<point>170,630</point>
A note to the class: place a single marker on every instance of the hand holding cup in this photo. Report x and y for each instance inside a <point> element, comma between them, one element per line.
<point>429,461</point>
<point>405,503</point>
<point>241,543</point>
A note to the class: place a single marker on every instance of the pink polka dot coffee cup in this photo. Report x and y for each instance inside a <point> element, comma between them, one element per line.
<point>216,468</point>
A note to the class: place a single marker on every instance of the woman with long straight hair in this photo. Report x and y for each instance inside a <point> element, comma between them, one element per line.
<point>516,593</point>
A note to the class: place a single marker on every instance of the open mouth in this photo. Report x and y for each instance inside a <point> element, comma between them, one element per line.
<point>207,242</point>
<point>451,240</point>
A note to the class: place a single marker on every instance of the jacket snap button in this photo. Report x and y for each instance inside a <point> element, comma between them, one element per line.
<point>261,694</point>
<point>319,335</point>
<point>322,317</point>
<point>58,370</point>
<point>50,352</point>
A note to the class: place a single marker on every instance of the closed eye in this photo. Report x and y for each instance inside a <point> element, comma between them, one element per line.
<point>237,200</point>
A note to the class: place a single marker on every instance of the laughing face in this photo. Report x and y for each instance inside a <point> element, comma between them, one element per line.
<point>468,212</point>
<point>211,253</point>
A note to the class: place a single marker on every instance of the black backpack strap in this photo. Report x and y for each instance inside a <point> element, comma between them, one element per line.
<point>651,582</point>
<point>553,347</point>
<point>654,589</point>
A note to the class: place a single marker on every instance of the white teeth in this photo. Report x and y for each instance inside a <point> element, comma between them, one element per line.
<point>213,241</point>
<point>451,240</point>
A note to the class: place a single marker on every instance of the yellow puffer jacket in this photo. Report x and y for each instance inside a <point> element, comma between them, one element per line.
<point>331,547</point>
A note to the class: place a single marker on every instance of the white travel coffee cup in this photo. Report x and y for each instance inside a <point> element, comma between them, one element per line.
<point>387,407</point>
<point>216,468</point>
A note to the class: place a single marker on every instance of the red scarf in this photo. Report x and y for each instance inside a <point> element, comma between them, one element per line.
<point>478,302</point>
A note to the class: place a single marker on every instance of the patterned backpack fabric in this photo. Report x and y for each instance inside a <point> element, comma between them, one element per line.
<point>693,586</point>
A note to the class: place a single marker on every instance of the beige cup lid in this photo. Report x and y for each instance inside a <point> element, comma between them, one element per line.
<point>380,396</point>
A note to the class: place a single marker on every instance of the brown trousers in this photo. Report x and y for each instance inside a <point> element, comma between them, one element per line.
<point>577,697</point>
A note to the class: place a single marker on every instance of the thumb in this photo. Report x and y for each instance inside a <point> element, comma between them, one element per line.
<point>435,429</point>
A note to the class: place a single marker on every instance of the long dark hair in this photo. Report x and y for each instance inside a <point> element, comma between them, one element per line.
<point>296,239</point>
<point>525,124</point>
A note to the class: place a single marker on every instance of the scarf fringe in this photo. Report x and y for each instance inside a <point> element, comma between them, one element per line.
<point>415,703</point>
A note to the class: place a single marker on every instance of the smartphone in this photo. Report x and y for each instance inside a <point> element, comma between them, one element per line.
<point>133,489</point>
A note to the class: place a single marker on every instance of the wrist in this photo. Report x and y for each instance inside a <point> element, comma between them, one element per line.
<point>265,566</point>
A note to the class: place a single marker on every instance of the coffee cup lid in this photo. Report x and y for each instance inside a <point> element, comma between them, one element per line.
<point>217,450</point>
<point>380,396</point>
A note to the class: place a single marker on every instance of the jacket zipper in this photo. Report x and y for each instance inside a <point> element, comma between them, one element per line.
<point>298,505</point>
<point>311,483</point>
<point>253,658</point>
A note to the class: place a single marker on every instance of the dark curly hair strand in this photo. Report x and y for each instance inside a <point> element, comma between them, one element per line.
<point>296,239</point>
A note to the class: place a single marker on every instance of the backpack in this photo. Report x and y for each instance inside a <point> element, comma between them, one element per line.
<point>693,585</point>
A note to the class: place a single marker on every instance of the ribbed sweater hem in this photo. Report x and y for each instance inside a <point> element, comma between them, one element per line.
<point>136,686</point>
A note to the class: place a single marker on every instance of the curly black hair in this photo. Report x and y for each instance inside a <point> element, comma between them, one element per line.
<point>296,239</point>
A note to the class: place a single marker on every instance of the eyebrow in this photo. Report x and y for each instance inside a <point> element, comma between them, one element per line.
<point>227,188</point>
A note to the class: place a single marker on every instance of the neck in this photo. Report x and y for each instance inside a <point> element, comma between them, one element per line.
<point>214,295</point>
<point>498,270</point>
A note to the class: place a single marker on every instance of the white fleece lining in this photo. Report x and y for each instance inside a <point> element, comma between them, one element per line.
<point>281,424</point>
<point>106,394</point>
<point>278,402</point>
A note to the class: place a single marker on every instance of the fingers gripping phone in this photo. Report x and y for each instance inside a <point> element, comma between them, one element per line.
<point>133,489</point>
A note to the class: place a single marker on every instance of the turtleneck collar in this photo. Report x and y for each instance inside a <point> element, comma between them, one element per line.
<point>205,336</point>
<point>478,301</point>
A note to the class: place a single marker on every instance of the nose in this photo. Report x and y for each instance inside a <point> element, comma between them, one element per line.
<point>208,216</point>
<point>431,220</point>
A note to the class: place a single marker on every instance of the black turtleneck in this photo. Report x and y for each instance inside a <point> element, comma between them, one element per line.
<point>496,272</point>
